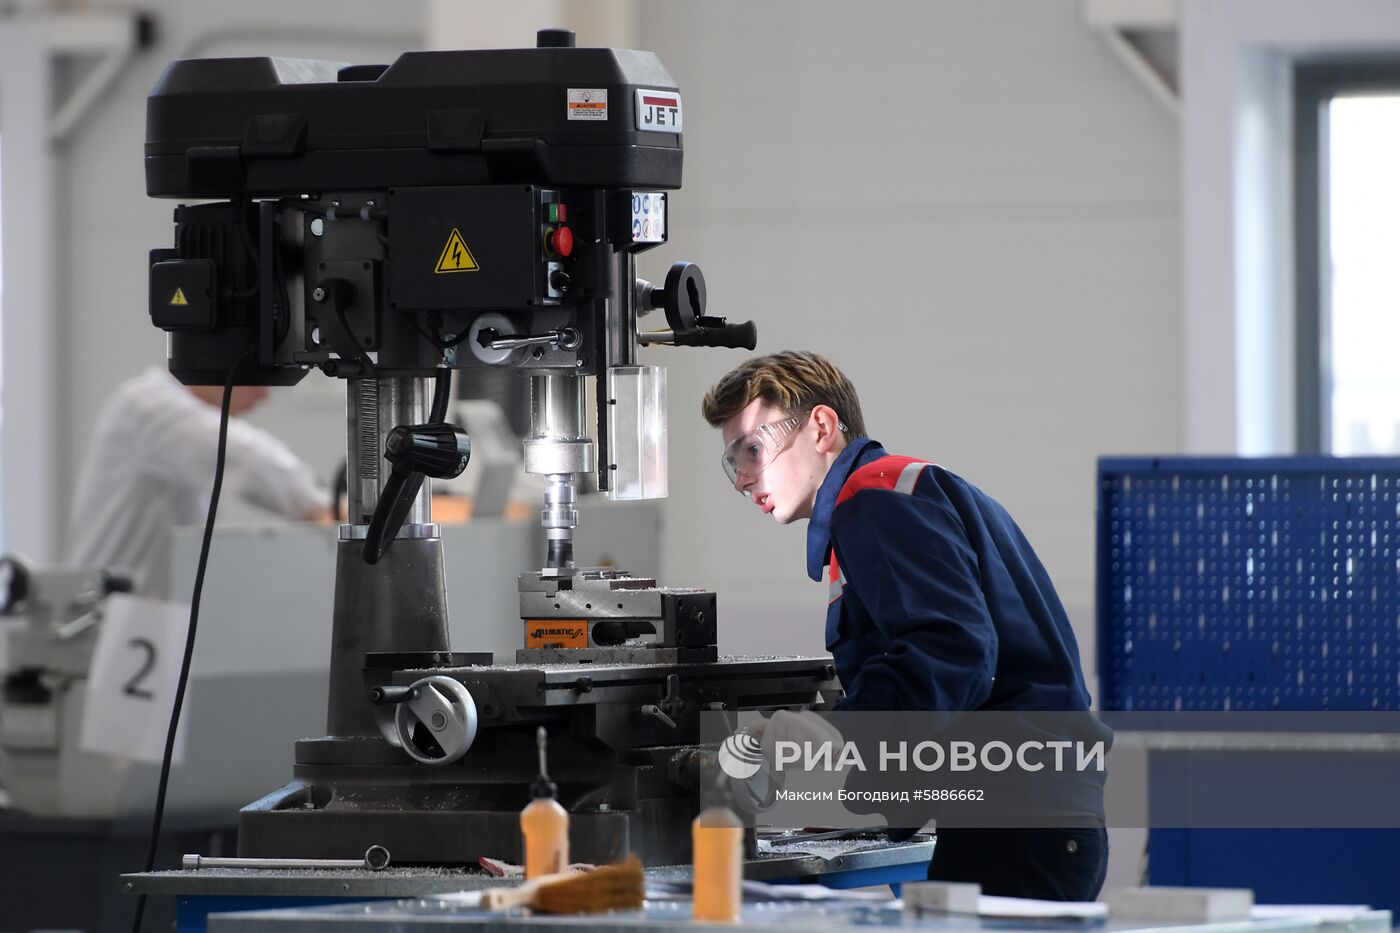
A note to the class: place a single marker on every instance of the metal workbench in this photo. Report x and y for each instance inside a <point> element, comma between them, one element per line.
<point>431,916</point>
<point>845,863</point>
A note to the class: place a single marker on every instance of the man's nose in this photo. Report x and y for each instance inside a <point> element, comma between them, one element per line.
<point>742,482</point>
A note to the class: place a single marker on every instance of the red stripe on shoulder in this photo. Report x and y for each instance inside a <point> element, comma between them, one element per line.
<point>877,474</point>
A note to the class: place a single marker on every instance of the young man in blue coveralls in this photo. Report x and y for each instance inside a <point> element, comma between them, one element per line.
<point>937,601</point>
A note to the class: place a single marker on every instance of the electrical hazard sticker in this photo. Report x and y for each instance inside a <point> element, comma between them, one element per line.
<point>588,103</point>
<point>556,633</point>
<point>455,256</point>
<point>179,299</point>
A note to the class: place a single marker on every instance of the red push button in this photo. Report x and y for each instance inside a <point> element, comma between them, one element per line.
<point>561,241</point>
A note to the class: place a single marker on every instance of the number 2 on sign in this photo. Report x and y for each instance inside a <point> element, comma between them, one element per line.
<point>133,678</point>
<point>133,687</point>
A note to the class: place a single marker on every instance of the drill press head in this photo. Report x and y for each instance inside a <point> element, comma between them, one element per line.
<point>454,210</point>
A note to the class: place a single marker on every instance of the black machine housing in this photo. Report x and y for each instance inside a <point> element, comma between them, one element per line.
<point>386,162</point>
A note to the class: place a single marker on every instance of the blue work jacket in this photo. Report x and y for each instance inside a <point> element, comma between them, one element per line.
<point>937,601</point>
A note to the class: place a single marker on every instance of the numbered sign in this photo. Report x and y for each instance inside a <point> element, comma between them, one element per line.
<point>131,684</point>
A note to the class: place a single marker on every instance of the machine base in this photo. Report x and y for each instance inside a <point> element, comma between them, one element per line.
<point>622,751</point>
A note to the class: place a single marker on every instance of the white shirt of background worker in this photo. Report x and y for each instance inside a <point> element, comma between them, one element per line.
<point>150,467</point>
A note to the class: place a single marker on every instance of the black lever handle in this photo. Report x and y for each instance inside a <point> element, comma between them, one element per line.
<point>437,450</point>
<point>383,696</point>
<point>412,450</point>
<point>734,336</point>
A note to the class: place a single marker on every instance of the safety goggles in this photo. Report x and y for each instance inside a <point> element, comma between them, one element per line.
<point>751,452</point>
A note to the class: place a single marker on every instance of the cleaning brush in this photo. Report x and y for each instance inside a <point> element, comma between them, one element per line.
<point>610,887</point>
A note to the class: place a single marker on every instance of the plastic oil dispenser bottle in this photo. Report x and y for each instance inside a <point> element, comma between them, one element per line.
<point>717,858</point>
<point>544,823</point>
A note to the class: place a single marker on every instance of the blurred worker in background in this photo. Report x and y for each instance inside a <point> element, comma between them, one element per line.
<point>936,600</point>
<point>150,467</point>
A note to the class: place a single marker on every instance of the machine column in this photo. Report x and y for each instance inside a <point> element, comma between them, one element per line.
<point>400,603</point>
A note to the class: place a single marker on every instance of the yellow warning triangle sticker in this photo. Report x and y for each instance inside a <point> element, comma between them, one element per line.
<point>455,256</point>
<point>179,298</point>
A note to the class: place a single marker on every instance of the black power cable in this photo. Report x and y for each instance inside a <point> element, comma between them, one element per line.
<point>194,621</point>
<point>433,334</point>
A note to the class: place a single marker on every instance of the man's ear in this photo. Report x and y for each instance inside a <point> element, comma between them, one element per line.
<point>828,428</point>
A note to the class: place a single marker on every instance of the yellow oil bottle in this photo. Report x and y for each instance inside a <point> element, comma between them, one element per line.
<point>717,864</point>
<point>544,823</point>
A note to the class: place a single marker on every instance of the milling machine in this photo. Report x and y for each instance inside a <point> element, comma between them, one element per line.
<point>49,618</point>
<point>389,225</point>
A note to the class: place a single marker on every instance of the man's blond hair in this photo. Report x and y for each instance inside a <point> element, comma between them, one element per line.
<point>794,381</point>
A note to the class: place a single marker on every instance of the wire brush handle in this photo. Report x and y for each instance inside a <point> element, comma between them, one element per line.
<point>520,895</point>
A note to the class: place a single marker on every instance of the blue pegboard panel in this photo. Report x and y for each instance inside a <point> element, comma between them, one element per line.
<point>1249,583</point>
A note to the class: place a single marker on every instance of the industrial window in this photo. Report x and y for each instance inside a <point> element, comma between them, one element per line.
<point>1347,201</point>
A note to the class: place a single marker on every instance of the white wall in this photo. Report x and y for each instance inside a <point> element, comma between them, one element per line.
<point>972,208</point>
<point>31,395</point>
<point>511,24</point>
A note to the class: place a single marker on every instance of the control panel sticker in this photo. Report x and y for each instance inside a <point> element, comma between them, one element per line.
<point>649,217</point>
<point>455,256</point>
<point>658,111</point>
<point>556,633</point>
<point>588,103</point>
<point>179,299</point>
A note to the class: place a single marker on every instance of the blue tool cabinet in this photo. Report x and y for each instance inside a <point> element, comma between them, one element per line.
<point>1255,584</point>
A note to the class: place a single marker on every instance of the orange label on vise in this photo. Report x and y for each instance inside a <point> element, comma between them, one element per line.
<point>556,633</point>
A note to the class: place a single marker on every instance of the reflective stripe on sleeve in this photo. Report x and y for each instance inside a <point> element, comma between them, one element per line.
<point>837,581</point>
<point>892,473</point>
<point>909,476</point>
